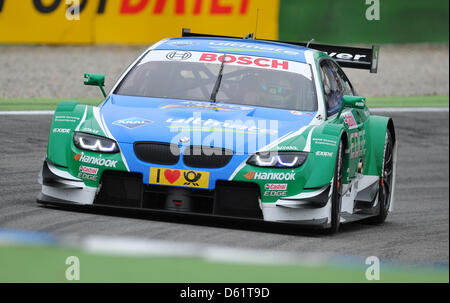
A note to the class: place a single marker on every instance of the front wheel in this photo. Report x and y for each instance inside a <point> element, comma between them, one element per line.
<point>386,181</point>
<point>336,195</point>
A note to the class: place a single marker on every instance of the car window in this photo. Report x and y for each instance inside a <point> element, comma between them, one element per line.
<point>174,80</point>
<point>269,88</point>
<point>332,87</point>
<point>346,85</point>
<point>246,80</point>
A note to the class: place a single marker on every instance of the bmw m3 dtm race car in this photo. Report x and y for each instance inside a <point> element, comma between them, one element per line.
<point>228,126</point>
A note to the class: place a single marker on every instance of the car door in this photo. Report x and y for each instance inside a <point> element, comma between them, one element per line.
<point>335,85</point>
<point>356,121</point>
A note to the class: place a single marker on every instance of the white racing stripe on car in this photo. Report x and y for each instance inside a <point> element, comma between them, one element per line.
<point>308,140</point>
<point>243,163</point>
<point>82,119</point>
<point>269,146</point>
<point>99,120</point>
<point>102,123</point>
<point>284,138</point>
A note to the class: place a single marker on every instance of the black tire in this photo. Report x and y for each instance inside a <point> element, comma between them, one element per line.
<point>336,195</point>
<point>386,180</point>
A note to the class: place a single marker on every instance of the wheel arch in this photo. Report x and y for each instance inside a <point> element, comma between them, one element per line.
<point>344,138</point>
<point>375,143</point>
<point>391,128</point>
<point>323,166</point>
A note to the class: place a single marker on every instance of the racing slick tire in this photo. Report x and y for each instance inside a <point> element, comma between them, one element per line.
<point>336,195</point>
<point>386,180</point>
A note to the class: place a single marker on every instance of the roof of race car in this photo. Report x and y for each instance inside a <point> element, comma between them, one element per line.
<point>237,46</point>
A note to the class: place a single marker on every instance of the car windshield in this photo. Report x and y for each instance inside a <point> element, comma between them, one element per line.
<point>246,80</point>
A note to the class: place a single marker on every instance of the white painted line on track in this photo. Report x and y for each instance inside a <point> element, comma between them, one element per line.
<point>138,247</point>
<point>104,245</point>
<point>373,110</point>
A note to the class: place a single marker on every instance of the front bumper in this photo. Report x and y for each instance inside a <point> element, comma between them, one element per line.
<point>228,198</point>
<point>60,185</point>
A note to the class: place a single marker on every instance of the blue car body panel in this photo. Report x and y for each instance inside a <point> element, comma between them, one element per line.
<point>156,118</point>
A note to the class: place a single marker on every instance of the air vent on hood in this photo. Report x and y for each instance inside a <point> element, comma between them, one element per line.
<point>206,157</point>
<point>157,152</point>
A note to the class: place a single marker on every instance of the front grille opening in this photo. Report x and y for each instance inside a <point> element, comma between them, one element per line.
<point>229,198</point>
<point>206,156</point>
<point>161,197</point>
<point>120,189</point>
<point>237,199</point>
<point>154,200</point>
<point>157,152</point>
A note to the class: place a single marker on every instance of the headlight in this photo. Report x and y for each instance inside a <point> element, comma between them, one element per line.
<point>95,143</point>
<point>281,159</point>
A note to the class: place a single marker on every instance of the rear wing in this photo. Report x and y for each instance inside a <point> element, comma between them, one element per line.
<point>345,56</point>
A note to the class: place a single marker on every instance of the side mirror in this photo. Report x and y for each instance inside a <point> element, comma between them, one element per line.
<point>352,102</point>
<point>96,80</point>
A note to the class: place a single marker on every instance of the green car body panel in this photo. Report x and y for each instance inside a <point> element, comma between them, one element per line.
<point>61,151</point>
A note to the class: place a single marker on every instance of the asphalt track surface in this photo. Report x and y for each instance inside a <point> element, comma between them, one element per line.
<point>417,231</point>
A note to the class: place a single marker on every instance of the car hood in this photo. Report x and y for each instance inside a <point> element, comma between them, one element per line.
<point>131,119</point>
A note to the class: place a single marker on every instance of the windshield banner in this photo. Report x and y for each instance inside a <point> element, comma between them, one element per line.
<point>230,59</point>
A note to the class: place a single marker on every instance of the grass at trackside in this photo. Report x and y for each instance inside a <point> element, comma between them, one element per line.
<point>40,103</point>
<point>47,264</point>
<point>51,103</point>
<point>413,101</point>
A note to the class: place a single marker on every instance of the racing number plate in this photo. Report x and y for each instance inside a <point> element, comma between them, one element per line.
<point>179,177</point>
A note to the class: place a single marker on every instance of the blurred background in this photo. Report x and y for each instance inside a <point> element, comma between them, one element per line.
<point>51,38</point>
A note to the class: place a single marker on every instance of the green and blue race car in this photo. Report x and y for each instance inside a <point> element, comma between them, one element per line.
<point>227,126</point>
